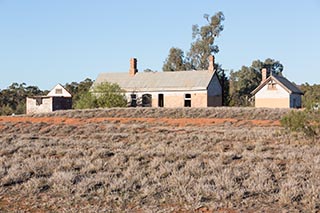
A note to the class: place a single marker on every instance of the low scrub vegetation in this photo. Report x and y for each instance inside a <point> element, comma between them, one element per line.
<point>305,121</point>
<point>240,113</point>
<point>136,166</point>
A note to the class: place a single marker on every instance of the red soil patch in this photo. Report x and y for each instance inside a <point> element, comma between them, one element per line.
<point>169,121</point>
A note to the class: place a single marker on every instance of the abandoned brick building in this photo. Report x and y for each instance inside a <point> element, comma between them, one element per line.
<point>57,99</point>
<point>168,89</point>
<point>277,92</point>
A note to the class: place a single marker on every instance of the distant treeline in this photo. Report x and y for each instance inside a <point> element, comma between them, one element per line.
<point>13,99</point>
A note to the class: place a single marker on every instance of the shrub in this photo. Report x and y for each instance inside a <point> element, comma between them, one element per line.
<point>109,95</point>
<point>104,95</point>
<point>86,101</point>
<point>299,121</point>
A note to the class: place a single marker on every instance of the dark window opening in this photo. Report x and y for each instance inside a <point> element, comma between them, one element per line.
<point>187,103</point>
<point>146,100</point>
<point>38,101</point>
<point>187,100</point>
<point>160,100</point>
<point>133,100</point>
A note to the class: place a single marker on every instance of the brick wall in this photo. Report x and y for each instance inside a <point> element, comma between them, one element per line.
<point>47,104</point>
<point>176,99</point>
<point>273,102</point>
<point>34,107</point>
<point>199,100</point>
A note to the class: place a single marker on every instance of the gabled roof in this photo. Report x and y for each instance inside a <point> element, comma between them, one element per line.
<point>283,82</point>
<point>59,91</point>
<point>159,81</point>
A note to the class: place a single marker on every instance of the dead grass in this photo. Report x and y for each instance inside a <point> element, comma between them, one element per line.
<point>167,121</point>
<point>214,112</point>
<point>90,161</point>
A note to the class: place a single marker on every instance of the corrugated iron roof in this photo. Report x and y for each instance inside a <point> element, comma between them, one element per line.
<point>159,81</point>
<point>285,82</point>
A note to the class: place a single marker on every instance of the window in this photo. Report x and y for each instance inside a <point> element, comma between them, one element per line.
<point>187,100</point>
<point>38,101</point>
<point>160,100</point>
<point>59,91</point>
<point>146,100</point>
<point>133,100</point>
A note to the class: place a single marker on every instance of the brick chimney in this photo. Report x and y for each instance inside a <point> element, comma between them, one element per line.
<point>264,74</point>
<point>133,67</point>
<point>211,63</point>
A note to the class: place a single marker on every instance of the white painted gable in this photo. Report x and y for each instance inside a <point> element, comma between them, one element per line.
<point>279,92</point>
<point>59,91</point>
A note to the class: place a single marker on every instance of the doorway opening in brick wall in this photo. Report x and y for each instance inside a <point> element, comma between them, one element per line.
<point>133,102</point>
<point>160,100</point>
<point>187,100</point>
<point>146,100</point>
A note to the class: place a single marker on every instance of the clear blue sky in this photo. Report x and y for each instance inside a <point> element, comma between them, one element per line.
<point>43,43</point>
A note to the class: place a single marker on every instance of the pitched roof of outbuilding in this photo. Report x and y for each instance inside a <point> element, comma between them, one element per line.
<point>282,81</point>
<point>159,81</point>
<point>64,92</point>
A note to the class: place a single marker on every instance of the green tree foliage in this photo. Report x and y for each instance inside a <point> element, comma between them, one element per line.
<point>13,99</point>
<point>175,61</point>
<point>311,97</point>
<point>244,81</point>
<point>78,90</point>
<point>273,66</point>
<point>86,101</point>
<point>104,95</point>
<point>110,95</point>
<point>204,37</point>
<point>201,48</point>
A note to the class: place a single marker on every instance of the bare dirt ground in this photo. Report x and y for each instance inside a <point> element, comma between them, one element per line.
<point>156,160</point>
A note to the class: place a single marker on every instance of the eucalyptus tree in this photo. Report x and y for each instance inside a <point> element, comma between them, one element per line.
<point>201,48</point>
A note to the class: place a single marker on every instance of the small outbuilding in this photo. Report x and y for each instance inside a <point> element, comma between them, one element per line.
<point>57,99</point>
<point>277,92</point>
<point>167,89</point>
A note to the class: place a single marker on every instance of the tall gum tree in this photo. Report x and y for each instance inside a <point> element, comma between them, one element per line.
<point>201,48</point>
<point>204,37</point>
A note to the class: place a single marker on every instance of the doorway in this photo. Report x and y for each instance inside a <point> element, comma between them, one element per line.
<point>187,100</point>
<point>160,100</point>
<point>146,100</point>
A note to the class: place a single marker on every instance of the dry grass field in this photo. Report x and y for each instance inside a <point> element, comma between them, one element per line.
<point>157,160</point>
